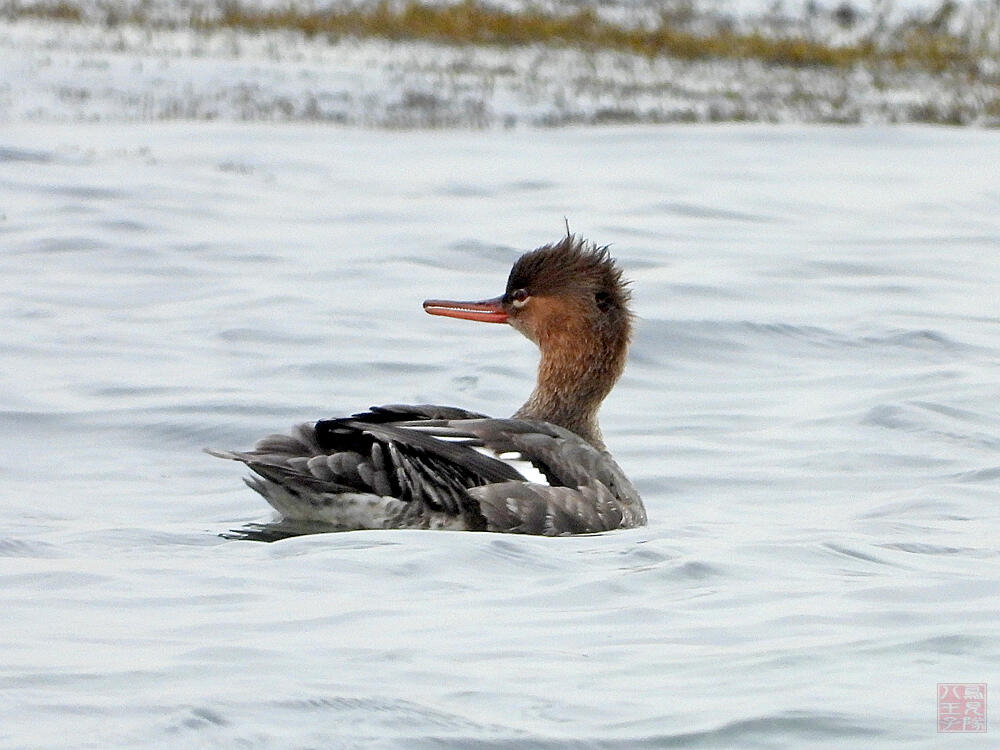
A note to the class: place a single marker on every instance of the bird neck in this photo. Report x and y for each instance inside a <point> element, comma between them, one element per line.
<point>576,372</point>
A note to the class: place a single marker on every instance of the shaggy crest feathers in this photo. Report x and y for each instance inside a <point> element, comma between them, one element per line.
<point>570,266</point>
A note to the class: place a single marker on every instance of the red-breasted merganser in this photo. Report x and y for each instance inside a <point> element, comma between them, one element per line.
<point>442,467</point>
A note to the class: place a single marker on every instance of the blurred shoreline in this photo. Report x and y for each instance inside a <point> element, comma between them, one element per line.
<point>477,66</point>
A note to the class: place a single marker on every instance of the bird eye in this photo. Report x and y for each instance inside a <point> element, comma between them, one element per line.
<point>604,301</point>
<point>519,297</point>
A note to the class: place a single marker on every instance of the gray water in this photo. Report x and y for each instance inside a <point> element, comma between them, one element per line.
<point>810,411</point>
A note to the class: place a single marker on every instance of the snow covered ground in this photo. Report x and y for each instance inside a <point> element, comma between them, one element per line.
<point>65,72</point>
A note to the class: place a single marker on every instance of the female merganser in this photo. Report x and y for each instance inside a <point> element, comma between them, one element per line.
<point>442,467</point>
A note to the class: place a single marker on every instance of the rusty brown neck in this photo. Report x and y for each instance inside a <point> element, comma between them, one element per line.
<point>578,368</point>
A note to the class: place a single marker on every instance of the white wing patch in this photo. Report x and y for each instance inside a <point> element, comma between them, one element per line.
<point>512,458</point>
<point>520,464</point>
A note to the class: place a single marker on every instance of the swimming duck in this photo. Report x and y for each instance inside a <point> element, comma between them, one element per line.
<point>442,467</point>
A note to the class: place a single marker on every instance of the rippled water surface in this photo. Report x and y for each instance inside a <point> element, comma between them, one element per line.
<point>810,411</point>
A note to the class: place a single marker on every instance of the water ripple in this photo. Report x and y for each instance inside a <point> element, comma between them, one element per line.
<point>700,211</point>
<point>25,155</point>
